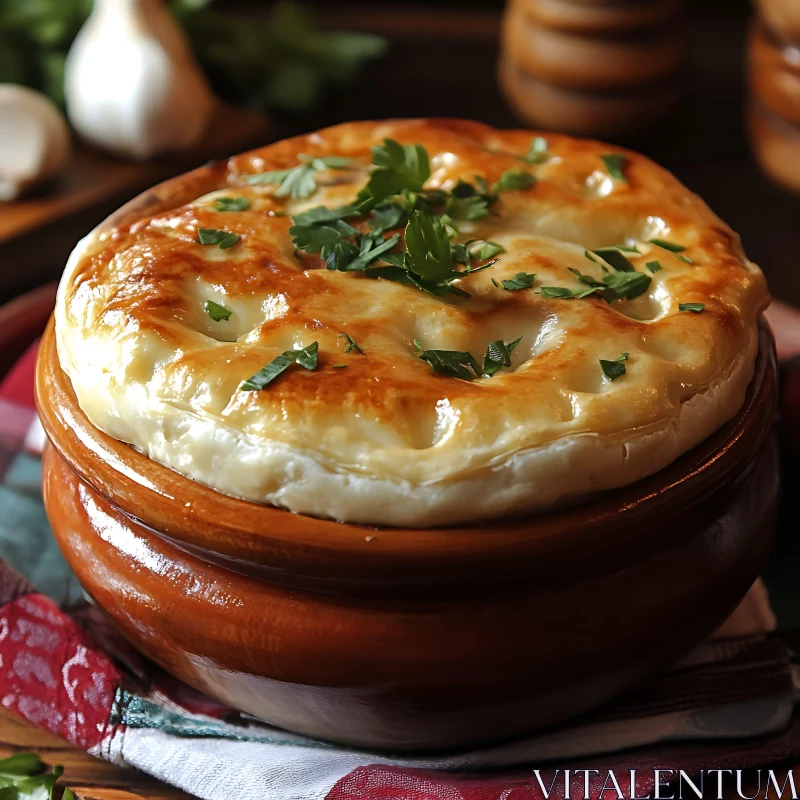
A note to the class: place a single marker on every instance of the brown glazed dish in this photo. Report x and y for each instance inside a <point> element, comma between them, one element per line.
<point>411,639</point>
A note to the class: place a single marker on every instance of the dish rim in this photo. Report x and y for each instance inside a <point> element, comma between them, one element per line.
<point>619,526</point>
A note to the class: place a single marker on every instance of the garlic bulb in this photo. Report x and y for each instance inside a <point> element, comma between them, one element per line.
<point>34,139</point>
<point>132,85</point>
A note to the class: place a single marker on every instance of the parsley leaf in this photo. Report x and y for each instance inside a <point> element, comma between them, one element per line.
<point>513,180</point>
<point>467,202</point>
<point>522,280</point>
<point>484,250</point>
<point>614,369</point>
<point>653,266</point>
<point>398,168</point>
<point>498,355</point>
<point>306,357</point>
<point>456,363</point>
<point>695,307</point>
<point>617,285</point>
<point>231,204</point>
<point>22,776</point>
<point>321,238</point>
<point>428,249</point>
<point>461,364</point>
<point>217,312</point>
<point>587,279</point>
<point>614,164</point>
<point>429,262</point>
<point>300,181</point>
<point>350,344</point>
<point>537,152</point>
<point>614,257</point>
<point>627,285</point>
<point>223,239</point>
<point>388,217</point>
<point>665,245</point>
<point>322,214</point>
<point>557,291</point>
<point>371,247</point>
<point>21,764</point>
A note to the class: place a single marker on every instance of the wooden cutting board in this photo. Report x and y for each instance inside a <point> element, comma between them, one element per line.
<point>37,232</point>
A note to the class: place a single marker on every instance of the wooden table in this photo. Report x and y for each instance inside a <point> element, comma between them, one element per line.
<point>88,777</point>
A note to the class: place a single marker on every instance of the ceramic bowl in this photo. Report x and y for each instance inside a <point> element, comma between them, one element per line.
<point>411,639</point>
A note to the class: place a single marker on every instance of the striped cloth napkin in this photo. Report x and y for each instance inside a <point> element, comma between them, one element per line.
<point>729,703</point>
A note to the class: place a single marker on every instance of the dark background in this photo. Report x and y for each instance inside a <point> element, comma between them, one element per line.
<point>442,63</point>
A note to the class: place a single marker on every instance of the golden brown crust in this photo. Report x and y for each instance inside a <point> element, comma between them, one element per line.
<point>136,297</point>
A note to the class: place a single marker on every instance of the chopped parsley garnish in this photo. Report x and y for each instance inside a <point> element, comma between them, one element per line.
<point>322,215</point>
<point>223,239</point>
<point>456,363</point>
<point>498,355</point>
<point>429,261</point>
<point>350,344</point>
<point>627,285</point>
<point>522,280</point>
<point>562,293</point>
<point>653,266</point>
<point>217,312</point>
<point>614,257</point>
<point>300,181</point>
<point>306,357</point>
<point>463,365</point>
<point>469,202</point>
<point>537,152</point>
<point>665,245</point>
<point>22,777</point>
<point>614,369</point>
<point>695,307</point>
<point>321,238</point>
<point>393,198</point>
<point>615,285</point>
<point>399,168</point>
<point>614,163</point>
<point>231,204</point>
<point>389,216</point>
<point>483,250</point>
<point>514,180</point>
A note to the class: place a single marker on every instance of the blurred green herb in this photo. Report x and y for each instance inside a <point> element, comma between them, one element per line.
<point>222,239</point>
<point>231,204</point>
<point>22,777</point>
<point>34,38</point>
<point>522,280</point>
<point>299,181</point>
<point>615,163</point>
<point>282,61</point>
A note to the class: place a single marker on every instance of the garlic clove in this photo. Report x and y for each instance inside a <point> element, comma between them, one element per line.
<point>34,139</point>
<point>131,83</point>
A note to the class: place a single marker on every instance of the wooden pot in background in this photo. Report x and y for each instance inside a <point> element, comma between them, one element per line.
<point>598,67</point>
<point>773,69</point>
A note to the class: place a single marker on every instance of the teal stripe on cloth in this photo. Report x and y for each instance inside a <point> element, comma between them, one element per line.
<point>137,712</point>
